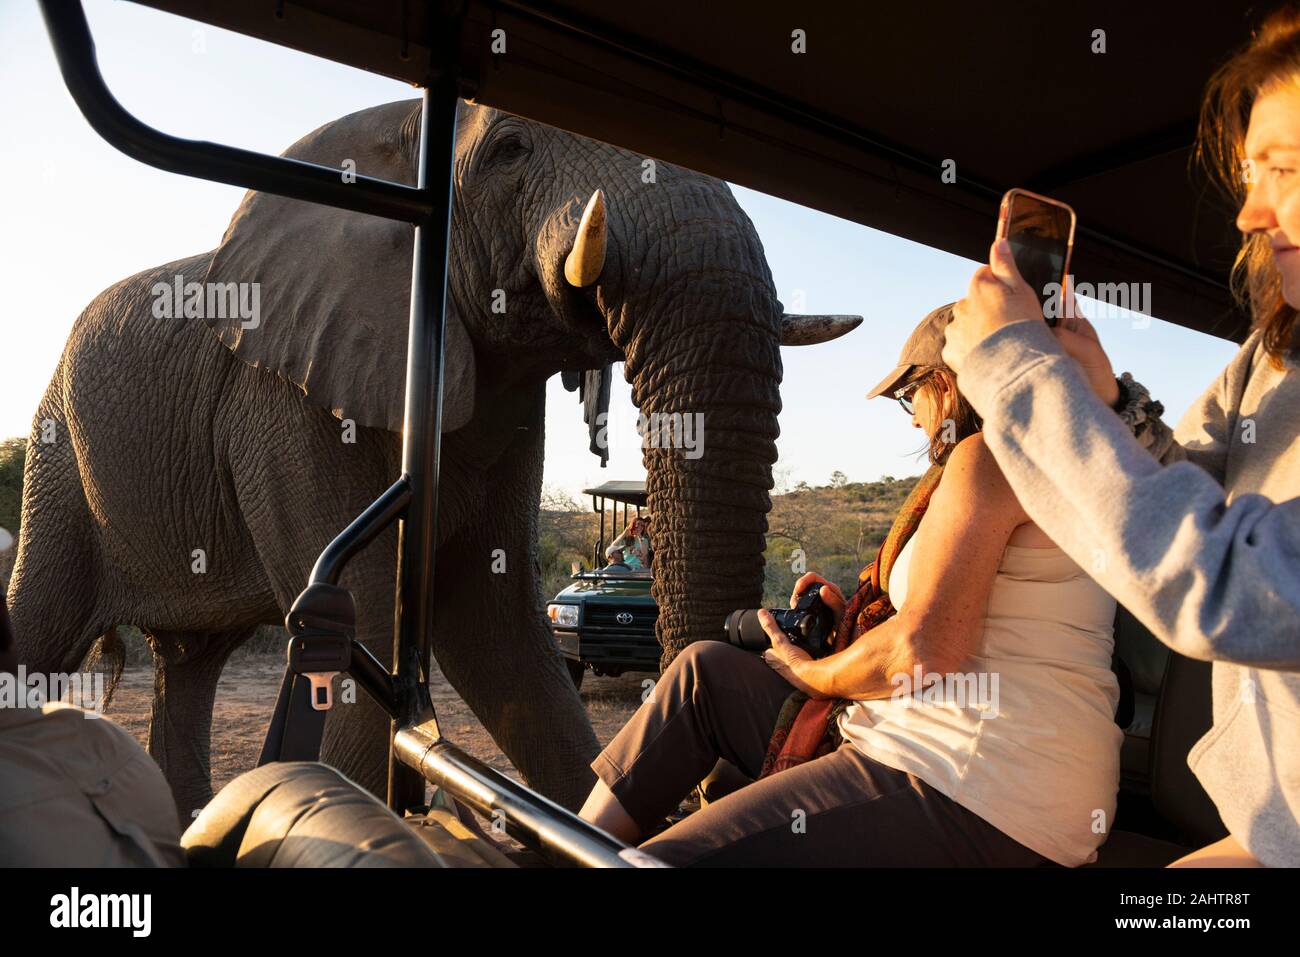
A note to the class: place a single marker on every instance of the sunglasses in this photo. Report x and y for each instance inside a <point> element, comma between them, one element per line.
<point>905,395</point>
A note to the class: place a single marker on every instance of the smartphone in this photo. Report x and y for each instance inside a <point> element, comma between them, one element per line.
<point>1041,234</point>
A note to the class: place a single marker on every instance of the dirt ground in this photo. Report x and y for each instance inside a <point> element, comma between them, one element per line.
<point>248,687</point>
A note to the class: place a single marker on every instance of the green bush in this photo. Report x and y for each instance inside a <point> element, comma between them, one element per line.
<point>13,453</point>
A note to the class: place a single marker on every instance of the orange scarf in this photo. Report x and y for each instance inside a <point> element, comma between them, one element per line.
<point>808,728</point>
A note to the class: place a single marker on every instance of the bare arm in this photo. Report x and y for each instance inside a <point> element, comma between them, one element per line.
<point>959,545</point>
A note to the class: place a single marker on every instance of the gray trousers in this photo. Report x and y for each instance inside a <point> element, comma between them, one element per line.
<point>840,810</point>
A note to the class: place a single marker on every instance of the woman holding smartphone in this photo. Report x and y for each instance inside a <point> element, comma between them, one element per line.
<point>1196,531</point>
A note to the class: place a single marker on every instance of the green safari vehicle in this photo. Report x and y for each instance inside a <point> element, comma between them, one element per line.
<point>605,620</point>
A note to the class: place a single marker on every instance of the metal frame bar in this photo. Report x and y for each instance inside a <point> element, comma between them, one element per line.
<point>422,425</point>
<point>557,834</point>
<point>65,20</point>
<point>417,751</point>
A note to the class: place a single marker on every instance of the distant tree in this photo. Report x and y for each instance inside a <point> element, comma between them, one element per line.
<point>839,479</point>
<point>566,531</point>
<point>888,478</point>
<point>13,452</point>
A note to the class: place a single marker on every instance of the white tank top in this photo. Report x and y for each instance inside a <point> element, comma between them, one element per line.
<point>1027,738</point>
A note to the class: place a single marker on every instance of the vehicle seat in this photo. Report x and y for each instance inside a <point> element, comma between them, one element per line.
<point>304,814</point>
<point>1156,756</point>
<point>1143,658</point>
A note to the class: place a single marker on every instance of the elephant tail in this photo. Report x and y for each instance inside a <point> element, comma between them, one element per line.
<point>107,654</point>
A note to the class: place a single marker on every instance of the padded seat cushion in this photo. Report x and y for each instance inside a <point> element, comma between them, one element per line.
<point>304,814</point>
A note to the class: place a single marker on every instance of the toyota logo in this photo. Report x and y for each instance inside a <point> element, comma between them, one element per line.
<point>623,618</point>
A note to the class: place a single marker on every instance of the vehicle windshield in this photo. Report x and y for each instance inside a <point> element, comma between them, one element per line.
<point>613,571</point>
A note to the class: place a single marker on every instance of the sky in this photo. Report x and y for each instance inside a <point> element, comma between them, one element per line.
<point>76,216</point>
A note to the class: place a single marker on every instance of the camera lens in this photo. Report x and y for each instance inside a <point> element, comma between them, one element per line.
<point>743,629</point>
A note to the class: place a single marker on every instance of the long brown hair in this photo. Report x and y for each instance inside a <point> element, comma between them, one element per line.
<point>1271,57</point>
<point>955,409</point>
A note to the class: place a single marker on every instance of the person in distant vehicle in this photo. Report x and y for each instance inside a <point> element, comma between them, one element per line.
<point>614,556</point>
<point>635,544</point>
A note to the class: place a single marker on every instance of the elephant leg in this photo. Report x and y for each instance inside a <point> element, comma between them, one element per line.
<point>187,666</point>
<point>53,594</point>
<point>493,641</point>
<point>495,647</point>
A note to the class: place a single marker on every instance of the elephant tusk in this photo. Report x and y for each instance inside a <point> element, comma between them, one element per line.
<point>587,258</point>
<point>797,330</point>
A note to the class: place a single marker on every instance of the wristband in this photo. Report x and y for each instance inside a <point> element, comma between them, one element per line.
<point>1135,405</point>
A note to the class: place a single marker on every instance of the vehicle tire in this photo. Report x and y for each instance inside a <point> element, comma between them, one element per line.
<point>576,671</point>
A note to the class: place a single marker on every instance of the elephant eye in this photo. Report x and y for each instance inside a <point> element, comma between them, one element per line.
<point>505,150</point>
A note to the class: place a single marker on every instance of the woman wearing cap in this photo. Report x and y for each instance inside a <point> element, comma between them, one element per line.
<point>1201,527</point>
<point>965,718</point>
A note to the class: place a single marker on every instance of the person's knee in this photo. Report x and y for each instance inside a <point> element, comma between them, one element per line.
<point>700,665</point>
<point>699,658</point>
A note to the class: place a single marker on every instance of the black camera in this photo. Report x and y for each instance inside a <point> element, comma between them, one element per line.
<point>810,624</point>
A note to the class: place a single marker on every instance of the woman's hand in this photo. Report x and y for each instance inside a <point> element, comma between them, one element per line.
<point>998,296</point>
<point>1079,340</point>
<point>831,594</point>
<point>786,658</point>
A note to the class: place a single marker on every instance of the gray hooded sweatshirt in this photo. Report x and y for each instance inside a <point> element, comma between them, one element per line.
<point>1197,532</point>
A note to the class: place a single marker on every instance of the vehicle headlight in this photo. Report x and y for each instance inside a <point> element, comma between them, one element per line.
<point>566,616</point>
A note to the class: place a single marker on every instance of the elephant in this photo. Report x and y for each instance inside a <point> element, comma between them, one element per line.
<point>185,472</point>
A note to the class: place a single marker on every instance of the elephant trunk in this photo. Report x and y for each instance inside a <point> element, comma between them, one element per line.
<point>705,367</point>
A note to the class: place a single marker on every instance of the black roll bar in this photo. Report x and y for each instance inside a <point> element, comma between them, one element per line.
<point>422,426</point>
<point>75,49</point>
<point>381,513</point>
<point>417,751</point>
<point>557,834</point>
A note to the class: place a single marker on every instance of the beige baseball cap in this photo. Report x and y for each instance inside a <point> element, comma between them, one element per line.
<point>923,349</point>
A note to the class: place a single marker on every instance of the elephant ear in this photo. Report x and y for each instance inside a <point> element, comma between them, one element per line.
<point>333,288</point>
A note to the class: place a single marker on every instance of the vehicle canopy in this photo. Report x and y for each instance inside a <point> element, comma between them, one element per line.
<point>630,494</point>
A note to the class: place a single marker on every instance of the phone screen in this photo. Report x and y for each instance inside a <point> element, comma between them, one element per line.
<point>1040,234</point>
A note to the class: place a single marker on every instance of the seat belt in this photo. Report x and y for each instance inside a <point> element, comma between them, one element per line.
<point>321,626</point>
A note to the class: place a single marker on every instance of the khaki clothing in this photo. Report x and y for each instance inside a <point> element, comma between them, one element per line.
<point>78,791</point>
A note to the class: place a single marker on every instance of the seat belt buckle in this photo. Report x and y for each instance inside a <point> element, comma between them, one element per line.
<point>322,689</point>
<point>318,656</point>
<point>321,625</point>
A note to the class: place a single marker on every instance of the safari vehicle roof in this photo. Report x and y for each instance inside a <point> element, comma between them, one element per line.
<point>859,125</point>
<point>630,492</point>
